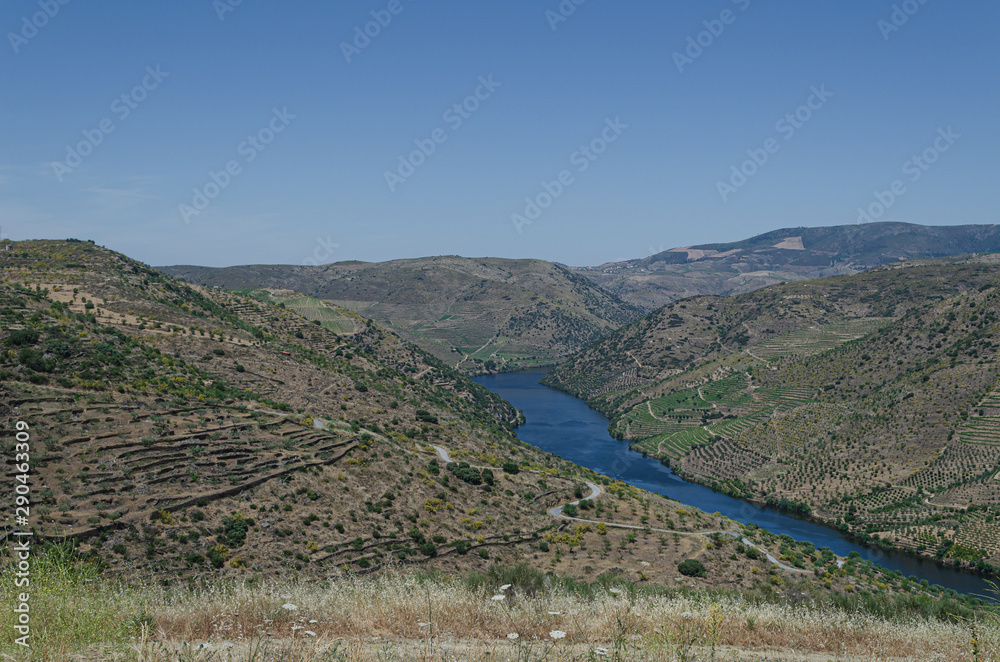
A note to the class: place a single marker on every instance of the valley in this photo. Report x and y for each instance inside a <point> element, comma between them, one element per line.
<point>187,435</point>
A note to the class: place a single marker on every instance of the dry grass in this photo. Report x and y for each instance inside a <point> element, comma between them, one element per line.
<point>404,617</point>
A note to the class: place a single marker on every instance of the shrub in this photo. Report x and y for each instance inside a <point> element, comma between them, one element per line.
<point>691,568</point>
<point>570,510</point>
<point>511,468</point>
<point>32,358</point>
<point>466,473</point>
<point>234,530</point>
<point>425,416</point>
<point>22,337</point>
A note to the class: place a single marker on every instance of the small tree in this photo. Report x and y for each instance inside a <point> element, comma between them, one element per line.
<point>692,568</point>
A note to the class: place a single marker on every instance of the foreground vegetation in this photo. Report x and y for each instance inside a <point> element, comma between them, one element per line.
<point>510,612</point>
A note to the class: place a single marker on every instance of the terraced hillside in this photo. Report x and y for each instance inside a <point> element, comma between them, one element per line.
<point>180,433</point>
<point>475,314</point>
<point>783,255</point>
<point>706,333</point>
<point>869,402</point>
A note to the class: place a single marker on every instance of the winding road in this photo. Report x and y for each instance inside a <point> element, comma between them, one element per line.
<point>596,491</point>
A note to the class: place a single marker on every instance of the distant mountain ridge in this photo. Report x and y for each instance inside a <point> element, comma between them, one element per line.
<point>783,255</point>
<point>484,314</point>
<point>476,314</point>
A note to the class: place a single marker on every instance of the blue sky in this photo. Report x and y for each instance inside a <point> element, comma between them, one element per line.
<point>266,90</point>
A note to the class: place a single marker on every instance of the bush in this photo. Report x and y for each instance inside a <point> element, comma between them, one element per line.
<point>234,530</point>
<point>425,416</point>
<point>488,476</point>
<point>466,473</point>
<point>216,558</point>
<point>691,568</point>
<point>32,358</point>
<point>22,337</point>
<point>570,510</point>
<point>511,468</point>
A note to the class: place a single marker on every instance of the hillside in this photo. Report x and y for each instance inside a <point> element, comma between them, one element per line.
<point>783,255</point>
<point>474,314</point>
<point>199,458</point>
<point>179,433</point>
<point>867,401</point>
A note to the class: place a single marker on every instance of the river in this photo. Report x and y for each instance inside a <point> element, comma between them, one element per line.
<point>565,426</point>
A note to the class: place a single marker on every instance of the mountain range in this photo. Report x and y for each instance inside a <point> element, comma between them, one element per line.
<point>486,314</point>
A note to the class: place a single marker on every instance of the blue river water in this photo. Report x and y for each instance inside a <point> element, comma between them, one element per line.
<point>565,426</point>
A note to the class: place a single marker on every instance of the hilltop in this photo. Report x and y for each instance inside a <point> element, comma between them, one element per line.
<point>783,255</point>
<point>488,314</point>
<point>475,314</point>
<point>868,402</point>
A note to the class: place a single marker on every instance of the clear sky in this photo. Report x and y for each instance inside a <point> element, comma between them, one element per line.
<point>116,114</point>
